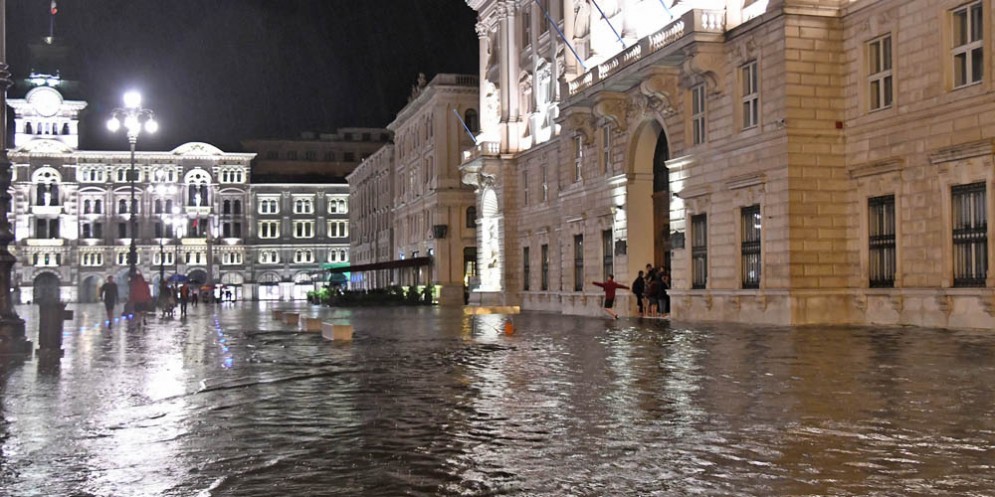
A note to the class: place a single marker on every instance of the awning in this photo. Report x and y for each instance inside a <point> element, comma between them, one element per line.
<point>377,266</point>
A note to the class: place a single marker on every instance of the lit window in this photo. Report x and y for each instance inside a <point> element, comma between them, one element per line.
<point>303,206</point>
<point>303,256</point>
<point>699,251</point>
<point>269,257</point>
<point>269,206</point>
<point>750,246</point>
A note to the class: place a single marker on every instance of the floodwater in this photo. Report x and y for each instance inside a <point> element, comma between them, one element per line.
<point>426,402</point>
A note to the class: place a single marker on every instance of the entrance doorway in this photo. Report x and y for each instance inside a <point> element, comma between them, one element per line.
<point>647,210</point>
<point>46,288</point>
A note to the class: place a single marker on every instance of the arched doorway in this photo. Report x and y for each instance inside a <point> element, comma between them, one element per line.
<point>233,282</point>
<point>46,288</point>
<point>648,192</point>
<point>198,277</point>
<point>89,289</point>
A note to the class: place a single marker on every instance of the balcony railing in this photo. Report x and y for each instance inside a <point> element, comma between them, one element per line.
<point>482,149</point>
<point>693,21</point>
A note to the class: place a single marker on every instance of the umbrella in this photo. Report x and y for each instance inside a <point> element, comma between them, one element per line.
<point>177,278</point>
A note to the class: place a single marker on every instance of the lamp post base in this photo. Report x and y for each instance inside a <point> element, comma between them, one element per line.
<point>13,341</point>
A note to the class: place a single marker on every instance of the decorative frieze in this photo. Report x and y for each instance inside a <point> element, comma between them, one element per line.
<point>962,151</point>
<point>875,168</point>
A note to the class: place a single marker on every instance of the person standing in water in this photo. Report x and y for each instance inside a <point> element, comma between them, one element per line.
<point>610,286</point>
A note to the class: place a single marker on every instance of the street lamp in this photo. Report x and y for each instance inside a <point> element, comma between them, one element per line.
<point>12,336</point>
<point>135,119</point>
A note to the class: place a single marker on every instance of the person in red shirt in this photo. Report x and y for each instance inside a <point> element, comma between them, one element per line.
<point>610,286</point>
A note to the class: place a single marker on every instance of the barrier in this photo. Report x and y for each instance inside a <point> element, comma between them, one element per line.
<point>311,324</point>
<point>293,318</point>
<point>278,315</point>
<point>336,332</point>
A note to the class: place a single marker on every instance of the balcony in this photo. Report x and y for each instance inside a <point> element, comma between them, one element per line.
<point>482,149</point>
<point>692,23</point>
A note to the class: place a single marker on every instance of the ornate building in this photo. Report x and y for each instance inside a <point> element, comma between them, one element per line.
<point>72,208</point>
<point>263,228</point>
<point>789,161</point>
<point>409,196</point>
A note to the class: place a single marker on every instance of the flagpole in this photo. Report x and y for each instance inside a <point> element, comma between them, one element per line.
<point>51,23</point>
<point>562,36</point>
<point>603,16</point>
<point>467,128</point>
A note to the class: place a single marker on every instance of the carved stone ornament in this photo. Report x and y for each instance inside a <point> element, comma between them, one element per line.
<point>612,107</point>
<point>658,88</point>
<point>701,67</point>
<point>579,120</point>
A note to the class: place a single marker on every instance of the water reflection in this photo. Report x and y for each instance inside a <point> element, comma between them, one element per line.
<point>429,402</point>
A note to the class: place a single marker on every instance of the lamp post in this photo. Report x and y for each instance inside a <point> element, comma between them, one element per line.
<point>12,337</point>
<point>135,119</point>
<point>163,192</point>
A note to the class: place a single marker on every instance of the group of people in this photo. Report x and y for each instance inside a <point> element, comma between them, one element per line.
<point>139,298</point>
<point>650,288</point>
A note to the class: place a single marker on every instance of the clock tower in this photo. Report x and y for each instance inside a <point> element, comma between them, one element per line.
<point>44,114</point>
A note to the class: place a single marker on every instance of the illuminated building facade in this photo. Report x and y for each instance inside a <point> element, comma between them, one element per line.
<point>262,228</point>
<point>408,203</point>
<point>789,161</point>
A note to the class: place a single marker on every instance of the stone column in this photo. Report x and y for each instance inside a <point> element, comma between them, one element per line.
<point>629,15</point>
<point>572,66</point>
<point>510,53</point>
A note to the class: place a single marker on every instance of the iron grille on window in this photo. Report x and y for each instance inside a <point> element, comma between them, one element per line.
<point>881,241</point>
<point>526,274</point>
<point>970,235</point>
<point>750,246</point>
<point>578,263</point>
<point>608,255</point>
<point>699,250</point>
<point>544,280</point>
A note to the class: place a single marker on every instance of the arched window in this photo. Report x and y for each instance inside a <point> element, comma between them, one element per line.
<point>238,207</point>
<point>98,207</point>
<point>40,197</point>
<point>471,216</point>
<point>472,121</point>
<point>27,128</point>
<point>87,207</point>
<point>226,207</point>
<point>65,129</point>
<point>158,206</point>
<point>169,206</point>
<point>122,206</point>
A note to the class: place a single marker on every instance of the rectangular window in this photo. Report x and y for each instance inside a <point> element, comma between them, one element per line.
<point>525,187</point>
<point>269,229</point>
<point>750,246</point>
<point>303,206</point>
<point>545,185</point>
<point>699,251</point>
<point>698,115</point>
<point>578,263</point>
<point>968,49</point>
<point>751,95</point>
<point>879,79</point>
<point>970,235</point>
<point>606,148</point>
<point>526,273</point>
<point>303,229</point>
<point>881,241</point>
<point>122,230</point>
<point>544,267</point>
<point>578,157</point>
<point>607,254</point>
<point>269,206</point>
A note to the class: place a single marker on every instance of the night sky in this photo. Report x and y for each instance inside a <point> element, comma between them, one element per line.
<point>223,71</point>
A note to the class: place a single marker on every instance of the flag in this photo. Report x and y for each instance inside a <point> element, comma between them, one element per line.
<point>55,8</point>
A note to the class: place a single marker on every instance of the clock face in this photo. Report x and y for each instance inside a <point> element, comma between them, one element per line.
<point>45,101</point>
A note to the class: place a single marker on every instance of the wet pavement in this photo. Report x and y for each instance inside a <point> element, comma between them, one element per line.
<point>228,402</point>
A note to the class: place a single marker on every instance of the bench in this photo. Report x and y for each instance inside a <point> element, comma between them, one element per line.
<point>336,332</point>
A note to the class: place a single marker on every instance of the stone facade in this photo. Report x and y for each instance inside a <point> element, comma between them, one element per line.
<point>818,162</point>
<point>371,208</point>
